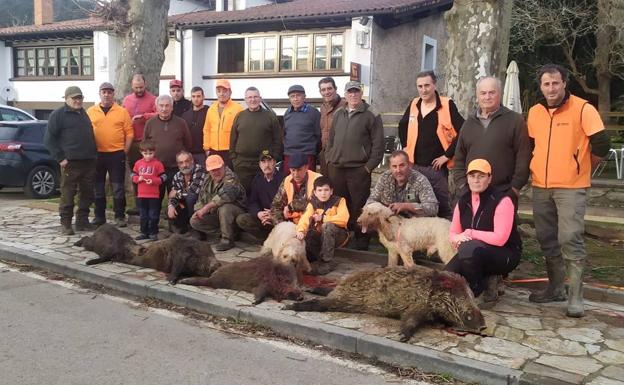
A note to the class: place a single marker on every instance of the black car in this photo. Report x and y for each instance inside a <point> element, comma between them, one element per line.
<point>24,160</point>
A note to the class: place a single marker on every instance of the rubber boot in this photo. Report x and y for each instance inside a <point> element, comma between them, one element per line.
<point>575,292</point>
<point>555,292</point>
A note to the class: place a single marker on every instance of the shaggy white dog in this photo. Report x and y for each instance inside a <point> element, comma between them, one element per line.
<point>285,247</point>
<point>402,236</point>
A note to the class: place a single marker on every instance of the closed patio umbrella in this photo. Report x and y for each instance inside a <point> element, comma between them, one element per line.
<point>511,93</point>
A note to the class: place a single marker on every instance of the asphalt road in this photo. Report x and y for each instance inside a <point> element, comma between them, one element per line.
<point>52,333</point>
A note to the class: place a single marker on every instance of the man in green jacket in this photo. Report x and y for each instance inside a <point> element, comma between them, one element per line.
<point>355,148</point>
<point>71,141</point>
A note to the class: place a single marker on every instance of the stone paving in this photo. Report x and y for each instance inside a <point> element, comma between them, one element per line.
<point>536,339</point>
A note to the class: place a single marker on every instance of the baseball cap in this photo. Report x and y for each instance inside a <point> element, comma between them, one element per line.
<point>214,162</point>
<point>297,160</point>
<point>265,154</point>
<point>223,83</point>
<point>175,83</point>
<point>106,86</point>
<point>73,91</point>
<point>479,165</point>
<point>352,85</point>
<point>296,88</point>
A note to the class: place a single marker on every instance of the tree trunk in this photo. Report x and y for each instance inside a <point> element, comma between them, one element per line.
<point>604,45</point>
<point>478,43</point>
<point>142,44</point>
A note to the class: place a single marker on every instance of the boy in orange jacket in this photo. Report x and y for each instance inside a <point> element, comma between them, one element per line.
<point>323,225</point>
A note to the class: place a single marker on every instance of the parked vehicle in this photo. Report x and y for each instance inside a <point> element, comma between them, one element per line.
<point>13,114</point>
<point>24,160</point>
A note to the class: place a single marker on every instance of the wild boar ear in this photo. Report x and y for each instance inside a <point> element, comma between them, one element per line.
<point>441,280</point>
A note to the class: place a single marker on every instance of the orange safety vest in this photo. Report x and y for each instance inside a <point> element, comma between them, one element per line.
<point>290,191</point>
<point>562,154</point>
<point>217,128</point>
<point>446,132</point>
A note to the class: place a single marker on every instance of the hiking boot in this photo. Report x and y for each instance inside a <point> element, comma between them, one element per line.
<point>224,245</point>
<point>575,292</point>
<point>555,292</point>
<point>98,221</point>
<point>153,237</point>
<point>67,230</point>
<point>141,237</point>
<point>490,294</point>
<point>121,222</point>
<point>84,225</point>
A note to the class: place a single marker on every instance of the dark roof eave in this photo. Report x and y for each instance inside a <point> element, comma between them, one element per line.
<point>438,5</point>
<point>34,34</point>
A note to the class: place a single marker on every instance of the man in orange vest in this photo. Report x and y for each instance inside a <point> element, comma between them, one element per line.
<point>428,132</point>
<point>219,121</point>
<point>569,139</point>
<point>294,193</point>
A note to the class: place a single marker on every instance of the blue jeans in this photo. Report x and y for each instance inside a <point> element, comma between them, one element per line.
<point>559,216</point>
<point>149,211</point>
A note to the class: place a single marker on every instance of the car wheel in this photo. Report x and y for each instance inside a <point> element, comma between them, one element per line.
<point>40,183</point>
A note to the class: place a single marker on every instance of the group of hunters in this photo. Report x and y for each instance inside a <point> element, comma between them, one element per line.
<point>218,166</point>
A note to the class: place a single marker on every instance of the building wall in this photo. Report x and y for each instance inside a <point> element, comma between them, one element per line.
<point>177,7</point>
<point>270,87</point>
<point>397,57</point>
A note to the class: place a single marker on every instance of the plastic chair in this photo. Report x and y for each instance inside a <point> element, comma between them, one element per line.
<point>619,163</point>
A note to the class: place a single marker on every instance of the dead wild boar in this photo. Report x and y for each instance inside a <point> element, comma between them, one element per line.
<point>414,295</point>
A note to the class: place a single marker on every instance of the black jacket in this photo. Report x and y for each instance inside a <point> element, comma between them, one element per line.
<point>70,135</point>
<point>483,219</point>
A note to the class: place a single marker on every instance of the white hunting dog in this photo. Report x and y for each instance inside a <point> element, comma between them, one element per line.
<point>283,244</point>
<point>402,236</point>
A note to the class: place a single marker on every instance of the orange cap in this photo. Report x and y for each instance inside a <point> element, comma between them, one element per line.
<point>214,162</point>
<point>223,83</point>
<point>479,165</point>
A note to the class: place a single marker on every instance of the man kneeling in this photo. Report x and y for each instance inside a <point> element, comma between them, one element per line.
<point>323,225</point>
<point>222,198</point>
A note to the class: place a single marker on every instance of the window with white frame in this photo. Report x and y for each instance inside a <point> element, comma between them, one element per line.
<point>429,53</point>
<point>309,52</point>
<point>46,61</point>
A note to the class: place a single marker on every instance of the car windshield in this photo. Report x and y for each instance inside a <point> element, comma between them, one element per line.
<point>8,133</point>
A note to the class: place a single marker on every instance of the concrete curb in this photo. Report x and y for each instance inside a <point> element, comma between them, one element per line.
<point>335,337</point>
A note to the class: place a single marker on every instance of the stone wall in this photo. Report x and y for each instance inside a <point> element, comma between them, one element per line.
<point>604,194</point>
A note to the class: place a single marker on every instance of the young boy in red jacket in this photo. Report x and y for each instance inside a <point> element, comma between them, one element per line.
<point>148,174</point>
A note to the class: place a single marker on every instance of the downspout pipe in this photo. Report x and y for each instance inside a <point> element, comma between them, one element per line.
<point>180,40</point>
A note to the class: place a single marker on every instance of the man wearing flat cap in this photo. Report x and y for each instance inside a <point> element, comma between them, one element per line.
<point>354,149</point>
<point>70,140</point>
<point>112,127</point>
<point>258,221</point>
<point>302,129</point>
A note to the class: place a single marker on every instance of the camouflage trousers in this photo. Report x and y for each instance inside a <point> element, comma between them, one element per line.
<point>322,244</point>
<point>222,218</point>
